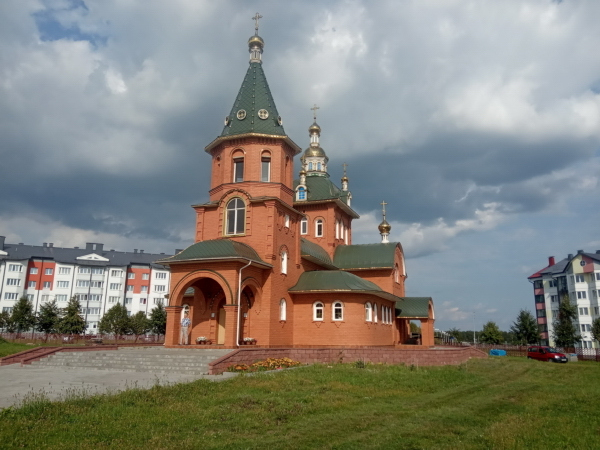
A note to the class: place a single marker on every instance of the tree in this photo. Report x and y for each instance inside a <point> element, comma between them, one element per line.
<point>139,324</point>
<point>414,328</point>
<point>490,334</point>
<point>596,328</point>
<point>71,321</point>
<point>565,333</point>
<point>525,328</point>
<point>454,332</point>
<point>158,320</point>
<point>22,315</point>
<point>48,318</point>
<point>115,321</point>
<point>4,319</point>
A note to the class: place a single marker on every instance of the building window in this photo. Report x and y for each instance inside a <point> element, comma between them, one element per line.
<point>579,278</point>
<point>265,167</point>
<point>62,284</point>
<point>130,288</point>
<point>49,271</point>
<point>584,312</point>
<point>319,228</point>
<point>238,170</point>
<point>581,295</point>
<point>310,166</point>
<point>142,301</point>
<point>539,299</point>
<point>144,288</point>
<point>84,270</point>
<point>586,327</point>
<point>113,299</point>
<point>338,311</point>
<point>61,298</point>
<point>32,284</point>
<point>160,288</point>
<point>10,295</point>
<point>33,271</point>
<point>64,270</point>
<point>96,284</point>
<point>47,285</point>
<point>158,300</point>
<point>15,268</point>
<point>286,221</point>
<point>317,311</point>
<point>282,309</point>
<point>396,274</point>
<point>552,283</point>
<point>128,301</point>
<point>161,275</point>
<point>284,259</point>
<point>236,216</point>
<point>542,327</point>
<point>13,282</point>
<point>145,276</point>
<point>95,297</point>
<point>304,226</point>
<point>301,193</point>
<point>596,310</point>
<point>7,309</point>
<point>115,286</point>
<point>131,276</point>
<point>116,273</point>
<point>598,276</point>
<point>538,284</point>
<point>540,312</point>
<point>98,271</point>
<point>368,312</point>
<point>83,283</point>
<point>554,298</point>
<point>375,312</point>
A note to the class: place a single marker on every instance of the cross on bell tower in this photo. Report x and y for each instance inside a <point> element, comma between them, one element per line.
<point>384,226</point>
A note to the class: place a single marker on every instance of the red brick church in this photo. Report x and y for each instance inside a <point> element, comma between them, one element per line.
<point>273,258</point>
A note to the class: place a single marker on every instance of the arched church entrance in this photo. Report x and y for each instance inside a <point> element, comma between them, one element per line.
<point>247,301</point>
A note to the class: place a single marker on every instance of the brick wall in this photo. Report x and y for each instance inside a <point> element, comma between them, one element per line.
<point>417,356</point>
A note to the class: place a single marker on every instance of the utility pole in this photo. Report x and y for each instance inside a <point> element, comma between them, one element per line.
<point>474,342</point>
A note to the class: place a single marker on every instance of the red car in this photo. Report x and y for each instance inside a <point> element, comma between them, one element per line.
<point>543,353</point>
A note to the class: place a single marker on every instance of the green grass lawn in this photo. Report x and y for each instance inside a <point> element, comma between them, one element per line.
<point>9,348</point>
<point>498,403</point>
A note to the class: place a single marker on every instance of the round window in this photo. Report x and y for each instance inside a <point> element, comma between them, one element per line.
<point>241,114</point>
<point>227,120</point>
<point>263,114</point>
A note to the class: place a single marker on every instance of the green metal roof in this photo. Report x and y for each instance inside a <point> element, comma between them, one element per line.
<point>217,249</point>
<point>253,96</point>
<point>331,281</point>
<point>410,307</point>
<point>365,256</point>
<point>321,188</point>
<point>315,253</point>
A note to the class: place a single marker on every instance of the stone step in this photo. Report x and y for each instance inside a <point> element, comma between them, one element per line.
<point>132,358</point>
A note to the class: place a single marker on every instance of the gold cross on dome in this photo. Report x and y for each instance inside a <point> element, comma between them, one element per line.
<point>383,204</point>
<point>344,166</point>
<point>255,18</point>
<point>314,110</point>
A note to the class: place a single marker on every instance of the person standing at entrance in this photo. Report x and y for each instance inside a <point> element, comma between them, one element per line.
<point>185,324</point>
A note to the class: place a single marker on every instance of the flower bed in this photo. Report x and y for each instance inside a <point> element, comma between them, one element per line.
<point>267,364</point>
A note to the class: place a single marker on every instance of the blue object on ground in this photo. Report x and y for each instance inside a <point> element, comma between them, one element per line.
<point>495,352</point>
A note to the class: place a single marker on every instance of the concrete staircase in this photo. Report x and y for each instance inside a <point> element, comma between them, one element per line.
<point>158,360</point>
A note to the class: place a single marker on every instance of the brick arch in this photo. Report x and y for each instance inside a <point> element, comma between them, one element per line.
<point>178,291</point>
<point>256,288</point>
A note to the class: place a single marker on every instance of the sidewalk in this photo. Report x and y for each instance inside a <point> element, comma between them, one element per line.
<point>18,383</point>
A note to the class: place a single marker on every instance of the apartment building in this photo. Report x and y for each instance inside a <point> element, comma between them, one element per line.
<point>99,278</point>
<point>577,276</point>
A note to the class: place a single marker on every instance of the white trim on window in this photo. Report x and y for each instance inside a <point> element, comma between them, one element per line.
<point>282,310</point>
<point>319,228</point>
<point>337,311</point>
<point>368,312</point>
<point>318,311</point>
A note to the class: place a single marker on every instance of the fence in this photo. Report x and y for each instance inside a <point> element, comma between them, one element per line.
<point>79,339</point>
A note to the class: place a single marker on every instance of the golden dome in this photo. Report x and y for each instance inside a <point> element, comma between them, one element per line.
<point>315,151</point>
<point>256,40</point>
<point>345,179</point>
<point>384,227</point>
<point>314,128</point>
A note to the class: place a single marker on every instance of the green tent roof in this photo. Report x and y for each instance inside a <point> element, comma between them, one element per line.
<point>322,188</point>
<point>254,95</point>
<point>365,256</point>
<point>409,307</point>
<point>217,249</point>
<point>331,281</point>
<point>315,253</point>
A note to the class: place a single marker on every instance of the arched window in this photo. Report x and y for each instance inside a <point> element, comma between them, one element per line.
<point>284,258</point>
<point>310,166</point>
<point>304,226</point>
<point>286,221</point>
<point>375,312</point>
<point>265,166</point>
<point>236,216</point>
<point>368,312</point>
<point>238,168</point>
<point>282,309</point>
<point>396,274</point>
<point>318,311</point>
<point>337,229</point>
<point>318,166</point>
<point>385,314</point>
<point>301,193</point>
<point>338,311</point>
<point>319,228</point>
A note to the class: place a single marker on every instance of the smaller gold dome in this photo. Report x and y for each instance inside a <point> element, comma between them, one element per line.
<point>256,40</point>
<point>345,179</point>
<point>314,128</point>
<point>315,151</point>
<point>384,227</point>
<point>302,171</point>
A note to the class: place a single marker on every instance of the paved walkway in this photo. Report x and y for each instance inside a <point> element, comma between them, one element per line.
<point>19,383</point>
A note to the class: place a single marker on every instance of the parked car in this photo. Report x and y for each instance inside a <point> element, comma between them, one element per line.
<point>543,353</point>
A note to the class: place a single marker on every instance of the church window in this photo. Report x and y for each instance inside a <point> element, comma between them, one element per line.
<point>236,216</point>
<point>304,226</point>
<point>318,311</point>
<point>282,309</point>
<point>238,170</point>
<point>338,311</point>
<point>349,201</point>
<point>368,312</point>
<point>284,258</point>
<point>318,166</point>
<point>396,274</point>
<point>265,162</point>
<point>301,193</point>
<point>286,221</point>
<point>337,229</point>
<point>319,228</point>
<point>375,312</point>
<point>310,166</point>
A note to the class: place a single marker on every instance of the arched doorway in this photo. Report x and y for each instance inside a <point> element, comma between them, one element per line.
<point>247,301</point>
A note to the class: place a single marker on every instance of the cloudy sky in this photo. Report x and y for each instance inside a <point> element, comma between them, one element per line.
<point>478,121</point>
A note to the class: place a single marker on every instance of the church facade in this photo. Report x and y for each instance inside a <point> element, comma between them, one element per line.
<point>273,259</point>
